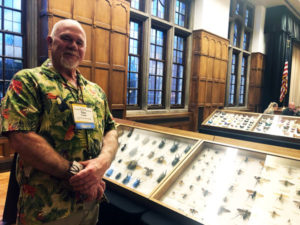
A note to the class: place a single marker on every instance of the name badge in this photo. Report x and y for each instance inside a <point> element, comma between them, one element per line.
<point>83,116</point>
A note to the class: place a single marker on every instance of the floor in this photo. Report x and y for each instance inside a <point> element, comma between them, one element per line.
<point>4,177</point>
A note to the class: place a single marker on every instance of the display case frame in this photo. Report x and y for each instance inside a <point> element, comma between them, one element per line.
<point>251,197</point>
<point>252,134</point>
<point>141,165</point>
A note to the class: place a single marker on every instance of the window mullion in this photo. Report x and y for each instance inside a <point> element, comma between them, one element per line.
<point>168,70</point>
<point>146,62</point>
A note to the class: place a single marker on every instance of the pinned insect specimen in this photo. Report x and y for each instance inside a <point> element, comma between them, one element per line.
<point>162,143</point>
<point>120,160</point>
<point>148,171</point>
<point>184,196</point>
<point>109,172</point>
<point>297,204</point>
<point>187,149</point>
<point>132,165</point>
<point>137,137</point>
<point>286,183</point>
<point>222,210</point>
<point>281,197</point>
<point>123,147</point>
<point>130,133</point>
<point>181,182</point>
<point>254,194</point>
<point>231,188</point>
<point>239,172</point>
<point>198,178</point>
<point>174,147</point>
<point>136,183</point>
<point>298,192</point>
<point>154,142</point>
<point>146,140</point>
<point>161,177</point>
<point>118,176</point>
<point>191,187</point>
<point>127,178</point>
<point>274,214</point>
<point>133,152</point>
<point>151,154</point>
<point>175,160</point>
<point>244,213</point>
<point>161,159</point>
<point>193,211</point>
<point>246,159</point>
<point>260,180</point>
<point>205,192</point>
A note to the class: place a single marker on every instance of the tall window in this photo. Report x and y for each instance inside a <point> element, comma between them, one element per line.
<point>180,13</point>
<point>133,64</point>
<point>177,71</point>
<point>11,41</point>
<point>157,69</point>
<point>240,36</point>
<point>159,8</point>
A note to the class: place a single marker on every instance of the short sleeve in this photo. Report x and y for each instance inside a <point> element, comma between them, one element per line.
<point>109,122</point>
<point>20,108</point>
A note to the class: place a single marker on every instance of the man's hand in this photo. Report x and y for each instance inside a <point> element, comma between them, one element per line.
<point>95,192</point>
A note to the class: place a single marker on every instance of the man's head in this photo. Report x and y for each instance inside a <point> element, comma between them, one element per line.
<point>67,43</point>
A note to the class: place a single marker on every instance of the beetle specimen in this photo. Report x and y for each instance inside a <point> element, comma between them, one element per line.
<point>174,147</point>
<point>175,160</point>
<point>193,211</point>
<point>123,147</point>
<point>146,140</point>
<point>118,176</point>
<point>132,165</point>
<point>127,179</point>
<point>151,154</point>
<point>136,183</point>
<point>109,172</point>
<point>162,143</point>
<point>130,133</point>
<point>205,192</point>
<point>161,177</point>
<point>161,159</point>
<point>187,149</point>
<point>133,152</point>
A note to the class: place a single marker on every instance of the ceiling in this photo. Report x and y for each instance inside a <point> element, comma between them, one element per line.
<point>293,5</point>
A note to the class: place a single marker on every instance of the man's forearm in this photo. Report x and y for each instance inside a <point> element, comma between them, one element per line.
<point>37,152</point>
<point>110,146</point>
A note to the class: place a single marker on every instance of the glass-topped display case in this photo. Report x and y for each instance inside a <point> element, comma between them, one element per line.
<point>219,184</point>
<point>145,158</point>
<point>275,129</point>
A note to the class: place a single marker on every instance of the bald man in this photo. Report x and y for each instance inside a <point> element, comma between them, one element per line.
<point>61,126</point>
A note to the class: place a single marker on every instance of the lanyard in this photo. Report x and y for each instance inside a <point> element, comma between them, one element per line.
<point>70,88</point>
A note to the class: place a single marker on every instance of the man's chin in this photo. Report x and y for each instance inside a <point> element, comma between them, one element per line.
<point>69,64</point>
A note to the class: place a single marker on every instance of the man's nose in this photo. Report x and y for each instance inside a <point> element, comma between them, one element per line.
<point>72,44</point>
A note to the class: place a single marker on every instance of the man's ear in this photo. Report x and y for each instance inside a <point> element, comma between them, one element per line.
<point>49,41</point>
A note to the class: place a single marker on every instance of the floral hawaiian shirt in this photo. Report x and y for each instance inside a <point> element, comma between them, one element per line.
<point>39,100</point>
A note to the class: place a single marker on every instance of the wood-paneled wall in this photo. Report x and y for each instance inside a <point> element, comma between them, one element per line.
<point>256,82</point>
<point>106,23</point>
<point>208,78</point>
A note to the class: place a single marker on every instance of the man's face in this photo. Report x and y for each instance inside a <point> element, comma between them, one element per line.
<point>68,46</point>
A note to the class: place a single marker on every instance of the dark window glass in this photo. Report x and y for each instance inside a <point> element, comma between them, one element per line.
<point>239,8</point>
<point>156,67</point>
<point>177,71</point>
<point>11,41</point>
<point>159,8</point>
<point>246,42</point>
<point>133,64</point>
<point>236,35</point>
<point>233,79</point>
<point>248,17</point>
<point>180,13</point>
<point>243,81</point>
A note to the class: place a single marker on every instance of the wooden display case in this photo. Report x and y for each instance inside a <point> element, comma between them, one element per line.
<point>145,158</point>
<point>224,184</point>
<point>212,183</point>
<point>266,128</point>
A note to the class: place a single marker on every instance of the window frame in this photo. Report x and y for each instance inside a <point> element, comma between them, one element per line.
<point>5,82</point>
<point>168,25</point>
<point>239,50</point>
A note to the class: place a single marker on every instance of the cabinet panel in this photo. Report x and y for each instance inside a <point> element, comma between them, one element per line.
<point>84,11</point>
<point>102,45</point>
<point>103,13</point>
<point>101,78</point>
